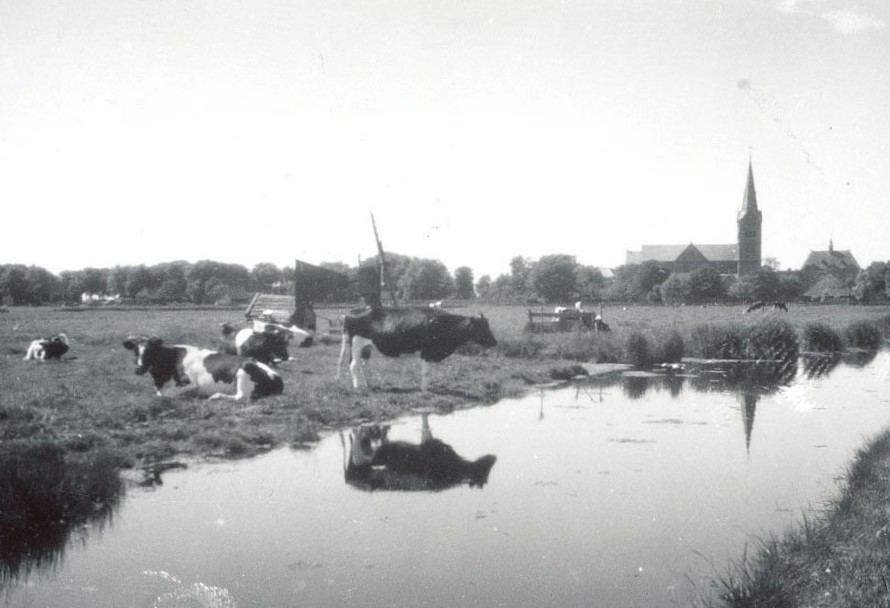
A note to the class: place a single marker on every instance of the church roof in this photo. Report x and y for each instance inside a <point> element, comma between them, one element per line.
<point>832,260</point>
<point>720,253</point>
<point>669,253</point>
<point>655,253</point>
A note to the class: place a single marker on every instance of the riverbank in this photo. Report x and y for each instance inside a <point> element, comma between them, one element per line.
<point>841,559</point>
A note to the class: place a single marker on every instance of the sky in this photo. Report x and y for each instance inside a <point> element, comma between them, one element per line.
<point>248,131</point>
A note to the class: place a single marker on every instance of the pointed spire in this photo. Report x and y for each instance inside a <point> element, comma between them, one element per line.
<point>749,199</point>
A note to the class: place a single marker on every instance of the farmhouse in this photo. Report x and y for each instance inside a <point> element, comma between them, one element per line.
<point>840,265</point>
<point>742,257</point>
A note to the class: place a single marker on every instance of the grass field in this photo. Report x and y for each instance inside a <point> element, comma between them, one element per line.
<point>92,400</point>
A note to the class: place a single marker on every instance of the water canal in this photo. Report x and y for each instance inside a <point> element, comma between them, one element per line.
<point>619,492</point>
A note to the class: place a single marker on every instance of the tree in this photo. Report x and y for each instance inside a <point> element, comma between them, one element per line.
<point>553,278</point>
<point>520,270</point>
<point>589,282</point>
<point>649,275</point>
<point>705,285</point>
<point>871,282</point>
<point>14,284</point>
<point>675,289</point>
<point>43,286</point>
<point>425,280</point>
<point>772,263</point>
<point>463,283</point>
<point>483,286</point>
<point>265,275</point>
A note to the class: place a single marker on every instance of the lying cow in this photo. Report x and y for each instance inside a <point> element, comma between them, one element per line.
<point>266,342</point>
<point>48,348</point>
<point>203,368</point>
<point>398,331</point>
<point>376,463</point>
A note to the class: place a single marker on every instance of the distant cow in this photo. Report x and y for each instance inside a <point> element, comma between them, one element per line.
<point>203,368</point>
<point>756,306</point>
<point>48,348</point>
<point>780,306</point>
<point>398,331</point>
<point>376,463</point>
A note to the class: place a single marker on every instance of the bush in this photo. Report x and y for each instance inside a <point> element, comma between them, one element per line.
<point>712,341</point>
<point>863,334</point>
<point>820,337</point>
<point>670,350</point>
<point>638,353</point>
<point>773,339</point>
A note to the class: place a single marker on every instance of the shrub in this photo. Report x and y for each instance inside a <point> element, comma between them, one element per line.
<point>772,339</point>
<point>670,349</point>
<point>713,341</point>
<point>863,334</point>
<point>638,353</point>
<point>820,337</point>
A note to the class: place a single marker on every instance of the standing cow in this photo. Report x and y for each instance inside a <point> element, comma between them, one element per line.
<point>398,331</point>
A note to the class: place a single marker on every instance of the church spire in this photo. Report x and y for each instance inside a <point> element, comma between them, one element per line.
<point>749,198</point>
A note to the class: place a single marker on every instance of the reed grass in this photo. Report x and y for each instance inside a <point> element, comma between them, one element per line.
<point>822,338</point>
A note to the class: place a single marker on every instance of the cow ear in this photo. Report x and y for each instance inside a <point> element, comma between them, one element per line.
<point>129,344</point>
<point>155,341</point>
<point>481,316</point>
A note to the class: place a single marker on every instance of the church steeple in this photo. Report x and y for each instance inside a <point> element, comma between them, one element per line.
<point>749,198</point>
<point>749,222</point>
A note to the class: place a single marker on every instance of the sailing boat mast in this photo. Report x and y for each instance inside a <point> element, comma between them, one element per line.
<point>385,279</point>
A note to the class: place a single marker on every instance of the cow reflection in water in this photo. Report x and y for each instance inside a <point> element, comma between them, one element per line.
<point>376,463</point>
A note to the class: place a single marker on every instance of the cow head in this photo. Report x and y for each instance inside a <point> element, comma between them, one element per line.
<point>146,350</point>
<point>228,330</point>
<point>480,332</point>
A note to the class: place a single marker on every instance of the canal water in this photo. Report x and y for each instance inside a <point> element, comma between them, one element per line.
<point>622,492</point>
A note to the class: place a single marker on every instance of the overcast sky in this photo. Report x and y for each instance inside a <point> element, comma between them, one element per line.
<point>267,130</point>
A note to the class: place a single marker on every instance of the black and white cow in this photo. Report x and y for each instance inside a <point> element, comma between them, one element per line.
<point>48,348</point>
<point>266,342</point>
<point>203,368</point>
<point>398,331</point>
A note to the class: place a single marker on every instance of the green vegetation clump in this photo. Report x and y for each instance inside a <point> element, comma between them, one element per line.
<point>717,341</point>
<point>863,334</point>
<point>820,337</point>
<point>638,352</point>
<point>671,349</point>
<point>772,339</point>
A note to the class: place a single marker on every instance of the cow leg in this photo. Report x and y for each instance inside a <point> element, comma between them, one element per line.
<point>357,365</point>
<point>343,346</point>
<point>241,380</point>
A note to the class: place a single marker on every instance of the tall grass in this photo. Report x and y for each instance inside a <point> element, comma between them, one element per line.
<point>863,334</point>
<point>822,338</point>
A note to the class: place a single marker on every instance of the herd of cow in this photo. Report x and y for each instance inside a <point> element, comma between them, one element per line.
<point>249,356</point>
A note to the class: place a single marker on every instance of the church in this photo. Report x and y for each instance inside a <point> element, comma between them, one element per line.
<point>742,257</point>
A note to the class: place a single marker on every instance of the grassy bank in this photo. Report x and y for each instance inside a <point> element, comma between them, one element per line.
<point>91,400</point>
<point>839,560</point>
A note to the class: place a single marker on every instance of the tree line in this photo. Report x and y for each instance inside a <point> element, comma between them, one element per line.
<point>550,279</point>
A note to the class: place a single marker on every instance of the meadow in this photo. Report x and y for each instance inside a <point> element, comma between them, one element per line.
<point>92,401</point>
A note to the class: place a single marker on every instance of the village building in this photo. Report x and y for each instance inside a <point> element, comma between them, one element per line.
<point>739,258</point>
<point>839,264</point>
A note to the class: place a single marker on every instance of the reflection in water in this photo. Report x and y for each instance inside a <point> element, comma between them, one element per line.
<point>750,380</point>
<point>859,358</point>
<point>46,501</point>
<point>817,365</point>
<point>376,463</point>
